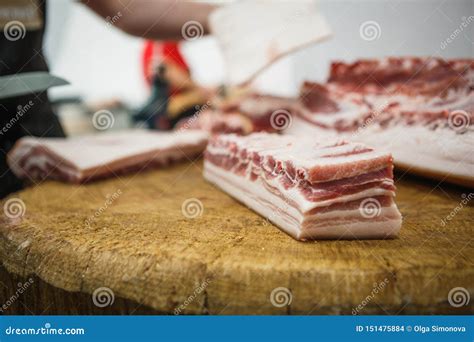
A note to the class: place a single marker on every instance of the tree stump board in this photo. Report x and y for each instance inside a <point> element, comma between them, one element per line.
<point>130,236</point>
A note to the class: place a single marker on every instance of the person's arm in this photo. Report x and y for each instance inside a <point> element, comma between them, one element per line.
<point>152,19</point>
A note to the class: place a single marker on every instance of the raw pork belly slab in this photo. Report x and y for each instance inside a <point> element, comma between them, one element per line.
<point>336,190</point>
<point>420,109</point>
<point>244,113</point>
<point>105,155</point>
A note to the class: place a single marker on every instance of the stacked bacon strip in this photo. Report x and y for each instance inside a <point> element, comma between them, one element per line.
<point>310,190</point>
<point>88,158</point>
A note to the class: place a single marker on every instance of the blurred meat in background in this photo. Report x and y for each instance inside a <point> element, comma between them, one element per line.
<point>112,71</point>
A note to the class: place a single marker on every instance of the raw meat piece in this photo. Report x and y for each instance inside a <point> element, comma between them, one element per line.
<point>266,112</point>
<point>255,33</point>
<point>421,110</point>
<point>310,190</point>
<point>82,159</point>
<point>409,75</point>
<point>214,121</point>
<point>243,114</point>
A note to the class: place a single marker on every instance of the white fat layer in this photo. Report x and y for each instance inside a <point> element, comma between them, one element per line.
<point>355,230</point>
<point>439,151</point>
<point>256,197</point>
<point>291,227</point>
<point>340,215</point>
<point>270,32</point>
<point>45,163</point>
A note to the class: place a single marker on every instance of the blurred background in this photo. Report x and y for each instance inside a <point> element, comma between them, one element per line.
<point>106,67</point>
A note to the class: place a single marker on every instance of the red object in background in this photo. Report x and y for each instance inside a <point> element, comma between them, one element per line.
<point>166,51</point>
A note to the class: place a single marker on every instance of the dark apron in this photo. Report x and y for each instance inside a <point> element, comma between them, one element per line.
<point>21,40</point>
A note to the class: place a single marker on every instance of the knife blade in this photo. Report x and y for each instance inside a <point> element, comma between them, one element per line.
<point>28,83</point>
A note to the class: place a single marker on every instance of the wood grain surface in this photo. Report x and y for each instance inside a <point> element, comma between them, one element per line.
<point>131,236</point>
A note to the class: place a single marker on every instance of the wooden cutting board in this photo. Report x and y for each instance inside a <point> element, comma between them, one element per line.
<point>130,235</point>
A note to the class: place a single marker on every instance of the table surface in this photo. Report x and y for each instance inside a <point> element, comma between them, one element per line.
<point>131,235</point>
